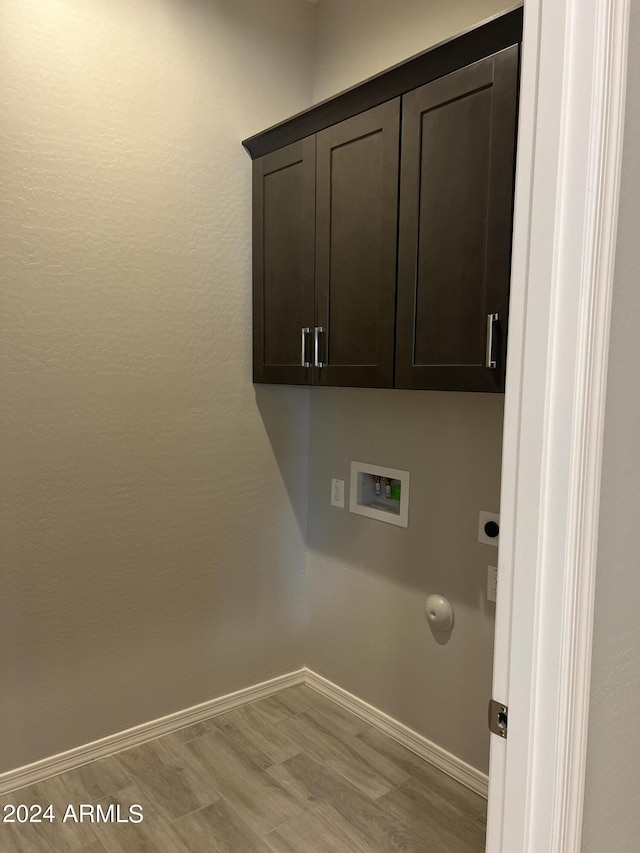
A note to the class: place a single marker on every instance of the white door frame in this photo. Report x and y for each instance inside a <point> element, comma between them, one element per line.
<point>569,152</point>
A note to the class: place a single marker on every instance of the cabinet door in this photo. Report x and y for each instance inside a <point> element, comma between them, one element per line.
<point>356,234</point>
<point>454,250</point>
<point>283,254</point>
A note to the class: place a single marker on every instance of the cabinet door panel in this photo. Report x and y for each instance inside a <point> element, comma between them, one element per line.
<point>283,256</point>
<point>458,149</point>
<point>356,221</point>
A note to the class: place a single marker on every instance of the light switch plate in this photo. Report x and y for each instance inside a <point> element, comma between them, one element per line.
<point>483,518</point>
<point>337,493</point>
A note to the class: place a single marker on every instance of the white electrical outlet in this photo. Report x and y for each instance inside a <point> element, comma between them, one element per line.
<point>492,583</point>
<point>337,493</point>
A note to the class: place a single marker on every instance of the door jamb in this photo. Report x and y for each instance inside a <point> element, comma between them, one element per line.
<point>567,188</point>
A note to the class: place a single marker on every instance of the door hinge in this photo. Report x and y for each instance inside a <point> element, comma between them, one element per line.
<point>498,718</point>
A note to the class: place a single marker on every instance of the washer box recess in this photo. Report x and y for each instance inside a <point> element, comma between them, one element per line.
<point>391,504</point>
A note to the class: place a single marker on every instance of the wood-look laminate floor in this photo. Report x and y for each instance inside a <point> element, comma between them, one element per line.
<point>293,773</point>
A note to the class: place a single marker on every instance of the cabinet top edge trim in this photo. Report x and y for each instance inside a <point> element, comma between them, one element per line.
<point>497,33</point>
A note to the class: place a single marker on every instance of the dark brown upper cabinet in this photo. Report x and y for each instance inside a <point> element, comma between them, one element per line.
<point>382,225</point>
<point>356,233</point>
<point>338,192</point>
<point>454,248</point>
<point>284,192</point>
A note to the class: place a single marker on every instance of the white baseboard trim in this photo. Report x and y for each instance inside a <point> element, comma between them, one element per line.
<point>39,770</point>
<point>430,752</point>
<point>417,743</point>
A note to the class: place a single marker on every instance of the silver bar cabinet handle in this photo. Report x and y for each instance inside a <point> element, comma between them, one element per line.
<point>492,319</point>
<point>316,346</point>
<point>303,356</point>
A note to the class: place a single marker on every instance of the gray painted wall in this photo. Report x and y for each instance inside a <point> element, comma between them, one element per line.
<point>153,529</point>
<point>152,524</point>
<point>367,581</point>
<point>612,798</point>
<point>355,39</point>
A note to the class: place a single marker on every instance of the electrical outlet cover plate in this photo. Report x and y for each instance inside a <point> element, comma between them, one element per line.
<point>483,518</point>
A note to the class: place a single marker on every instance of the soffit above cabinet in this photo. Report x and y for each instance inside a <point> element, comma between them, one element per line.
<point>483,40</point>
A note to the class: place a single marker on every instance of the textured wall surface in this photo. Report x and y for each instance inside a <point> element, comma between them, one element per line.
<point>355,39</point>
<point>612,798</point>
<point>151,558</point>
<point>154,504</point>
<point>368,580</point>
